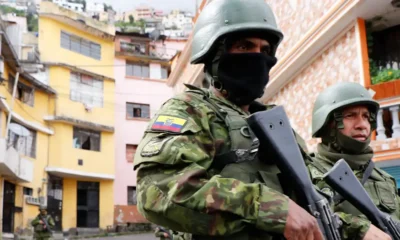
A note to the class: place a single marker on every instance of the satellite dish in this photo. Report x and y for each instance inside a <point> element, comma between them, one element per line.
<point>19,130</point>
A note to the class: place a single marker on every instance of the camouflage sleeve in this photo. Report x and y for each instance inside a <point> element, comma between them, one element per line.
<point>353,227</point>
<point>35,221</point>
<point>176,191</point>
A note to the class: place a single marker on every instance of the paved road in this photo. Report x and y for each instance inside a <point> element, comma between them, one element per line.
<point>145,236</point>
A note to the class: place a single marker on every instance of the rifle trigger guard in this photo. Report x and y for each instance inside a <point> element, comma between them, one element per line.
<point>245,134</point>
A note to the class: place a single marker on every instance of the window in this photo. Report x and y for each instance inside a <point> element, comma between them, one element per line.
<point>135,48</point>
<point>28,191</point>
<point>132,196</point>
<point>130,152</point>
<point>80,45</point>
<point>164,73</point>
<point>86,139</point>
<point>24,93</point>
<point>137,110</point>
<point>24,145</point>
<point>137,70</point>
<point>86,89</point>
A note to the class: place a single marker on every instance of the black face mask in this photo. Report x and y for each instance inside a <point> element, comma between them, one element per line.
<point>244,75</point>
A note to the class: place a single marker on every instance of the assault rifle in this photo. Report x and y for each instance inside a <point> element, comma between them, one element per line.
<point>342,179</point>
<point>272,128</point>
<point>48,228</point>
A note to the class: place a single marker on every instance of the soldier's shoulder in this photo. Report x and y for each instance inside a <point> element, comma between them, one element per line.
<point>188,103</point>
<point>383,173</point>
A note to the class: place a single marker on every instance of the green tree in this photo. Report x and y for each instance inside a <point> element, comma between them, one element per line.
<point>131,19</point>
<point>33,22</point>
<point>7,9</point>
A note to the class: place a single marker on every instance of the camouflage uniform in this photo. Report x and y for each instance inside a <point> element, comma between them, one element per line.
<point>41,233</point>
<point>172,235</point>
<point>197,165</point>
<point>329,105</point>
<point>179,185</point>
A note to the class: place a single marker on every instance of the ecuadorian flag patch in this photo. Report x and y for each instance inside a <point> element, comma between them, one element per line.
<point>169,123</point>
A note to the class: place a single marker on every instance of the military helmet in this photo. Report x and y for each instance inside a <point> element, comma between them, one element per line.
<point>42,207</point>
<point>337,96</point>
<point>222,17</point>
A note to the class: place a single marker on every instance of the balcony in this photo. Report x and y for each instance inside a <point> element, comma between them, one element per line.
<point>13,165</point>
<point>142,50</point>
<point>384,58</point>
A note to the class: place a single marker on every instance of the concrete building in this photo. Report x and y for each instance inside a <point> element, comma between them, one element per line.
<point>81,164</point>
<point>77,7</point>
<point>25,102</point>
<point>142,68</point>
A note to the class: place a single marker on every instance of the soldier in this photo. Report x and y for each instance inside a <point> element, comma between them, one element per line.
<point>197,134</point>
<point>166,234</point>
<point>344,117</point>
<point>162,233</point>
<point>43,231</point>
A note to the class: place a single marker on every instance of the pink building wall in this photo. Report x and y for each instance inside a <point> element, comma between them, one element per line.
<point>152,91</point>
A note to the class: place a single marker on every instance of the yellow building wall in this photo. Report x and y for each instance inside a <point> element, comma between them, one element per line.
<point>43,103</point>
<point>3,122</point>
<point>69,208</point>
<point>106,204</point>
<point>35,113</point>
<point>69,211</point>
<point>60,81</point>
<point>51,50</point>
<point>64,155</point>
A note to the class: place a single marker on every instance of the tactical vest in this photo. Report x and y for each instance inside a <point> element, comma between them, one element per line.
<point>242,160</point>
<point>380,186</point>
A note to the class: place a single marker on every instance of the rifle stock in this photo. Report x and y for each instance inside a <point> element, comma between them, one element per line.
<point>273,129</point>
<point>342,179</point>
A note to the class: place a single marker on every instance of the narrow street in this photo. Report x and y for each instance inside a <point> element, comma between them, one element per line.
<point>144,236</point>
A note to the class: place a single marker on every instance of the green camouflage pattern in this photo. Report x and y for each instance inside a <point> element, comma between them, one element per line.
<point>172,235</point>
<point>40,232</point>
<point>380,186</point>
<point>178,189</point>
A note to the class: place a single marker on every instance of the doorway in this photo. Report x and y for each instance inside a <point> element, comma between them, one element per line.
<point>88,204</point>
<point>8,207</point>
<point>54,200</point>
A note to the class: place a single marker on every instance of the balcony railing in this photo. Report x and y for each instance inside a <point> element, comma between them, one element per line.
<point>160,52</point>
<point>13,165</point>
<point>388,124</point>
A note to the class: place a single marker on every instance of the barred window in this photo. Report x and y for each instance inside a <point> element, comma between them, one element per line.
<point>80,45</point>
<point>24,145</point>
<point>86,89</point>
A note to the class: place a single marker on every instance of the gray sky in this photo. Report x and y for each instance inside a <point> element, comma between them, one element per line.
<point>165,5</point>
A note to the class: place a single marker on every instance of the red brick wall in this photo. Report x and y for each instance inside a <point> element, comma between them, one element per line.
<point>127,214</point>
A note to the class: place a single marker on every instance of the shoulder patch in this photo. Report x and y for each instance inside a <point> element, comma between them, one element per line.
<point>154,146</point>
<point>169,123</point>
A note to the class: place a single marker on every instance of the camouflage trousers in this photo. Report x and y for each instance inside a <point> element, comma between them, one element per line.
<point>42,236</point>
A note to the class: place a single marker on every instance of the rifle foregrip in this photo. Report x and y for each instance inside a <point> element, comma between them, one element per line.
<point>342,179</point>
